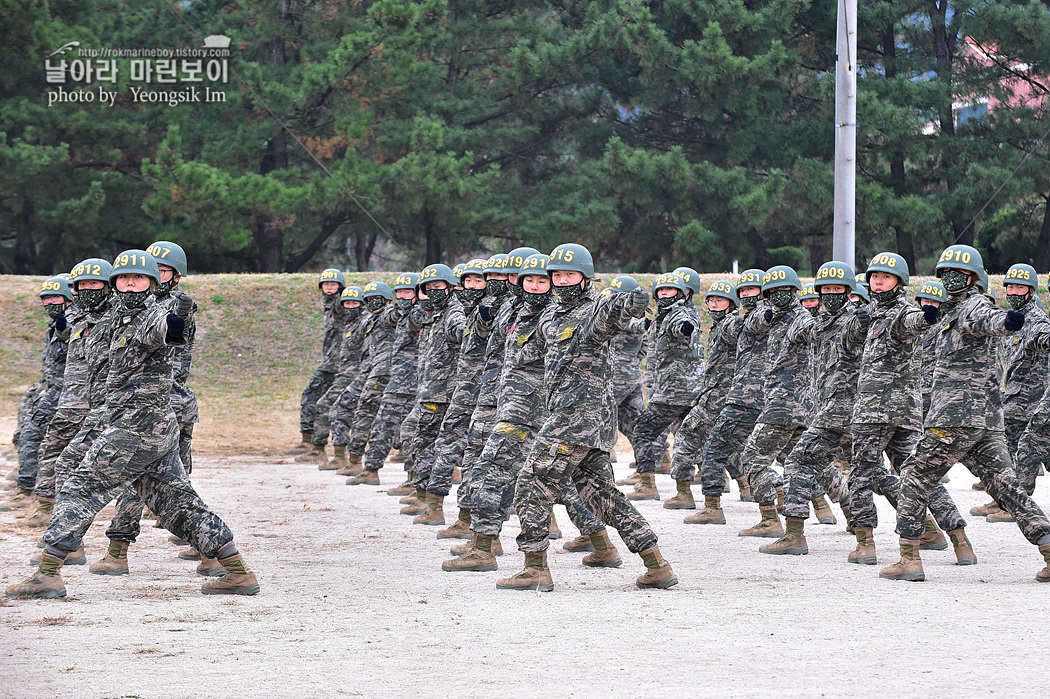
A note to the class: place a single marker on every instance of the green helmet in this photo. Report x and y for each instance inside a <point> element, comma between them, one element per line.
<point>690,277</point>
<point>63,275</point>
<point>670,280</point>
<point>378,289</point>
<point>1022,274</point>
<point>475,266</point>
<point>982,280</point>
<point>535,263</point>
<point>862,291</point>
<point>778,276</point>
<point>624,283</point>
<point>331,275</point>
<point>723,289</point>
<point>56,286</point>
<point>516,258</point>
<point>437,273</point>
<point>834,273</point>
<point>93,269</point>
<point>808,292</point>
<point>457,272</point>
<point>169,254</point>
<point>406,280</point>
<point>135,262</point>
<point>961,257</point>
<point>933,291</point>
<point>352,293</point>
<point>497,264</point>
<point>571,257</point>
<point>890,263</point>
<point>861,280</point>
<point>750,277</point>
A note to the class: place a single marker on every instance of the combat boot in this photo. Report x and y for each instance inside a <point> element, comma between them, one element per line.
<point>434,514</point>
<point>684,499</point>
<point>864,554</point>
<point>822,511</point>
<point>412,497</point>
<point>468,546</point>
<point>849,520</point>
<point>665,464</point>
<point>457,475</point>
<point>605,554</point>
<point>210,568</point>
<point>630,480</point>
<point>989,508</point>
<point>978,486</point>
<point>460,529</point>
<point>417,506</point>
<point>745,489</point>
<point>178,541</point>
<point>403,489</point>
<point>317,455</point>
<point>343,463</point>
<point>355,467</point>
<point>581,544</point>
<point>238,580</point>
<point>303,446</point>
<point>190,554</point>
<point>658,573</point>
<point>555,531</point>
<point>999,517</point>
<point>535,576</point>
<point>366,477</point>
<point>115,562</point>
<point>909,567</point>
<point>337,462</point>
<point>23,498</point>
<point>1044,574</point>
<point>711,514</point>
<point>77,558</point>
<point>42,516</point>
<point>768,528</point>
<point>932,538</point>
<point>398,456</point>
<point>45,583</point>
<point>780,500</point>
<point>793,543</point>
<point>480,558</point>
<point>645,489</point>
<point>964,555</point>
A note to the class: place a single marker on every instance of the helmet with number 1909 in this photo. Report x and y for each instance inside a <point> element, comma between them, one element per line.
<point>571,257</point>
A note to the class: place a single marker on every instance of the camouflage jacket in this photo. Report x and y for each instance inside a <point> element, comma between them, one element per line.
<point>471,363</point>
<point>404,355</point>
<point>522,398</point>
<point>966,385</point>
<point>749,368</point>
<point>676,359</point>
<point>838,340</point>
<point>501,325</point>
<point>75,380</point>
<point>334,331</point>
<point>183,399</point>
<point>53,362</point>
<point>721,363</point>
<point>352,347</point>
<point>139,380</point>
<point>439,341</point>
<point>1026,364</point>
<point>96,352</point>
<point>788,378</point>
<point>578,368</point>
<point>626,349</point>
<point>379,341</point>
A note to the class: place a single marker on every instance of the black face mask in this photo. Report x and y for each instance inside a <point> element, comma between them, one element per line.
<point>54,310</point>
<point>131,300</point>
<point>536,300</point>
<point>749,302</point>
<point>781,298</point>
<point>666,302</point>
<point>883,297</point>
<point>955,280</point>
<point>163,289</point>
<point>1017,302</point>
<point>438,298</point>
<point>566,294</point>
<point>717,316</point>
<point>496,287</point>
<point>374,303</point>
<point>89,299</point>
<point>813,310</point>
<point>470,296</point>
<point>404,304</point>
<point>515,289</point>
<point>353,313</point>
<point>834,302</point>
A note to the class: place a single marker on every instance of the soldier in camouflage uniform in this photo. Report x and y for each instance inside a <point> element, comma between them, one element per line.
<point>966,416</point>
<point>139,444</point>
<point>575,440</point>
<point>931,294</point>
<point>810,299</point>
<point>626,348</point>
<point>331,283</point>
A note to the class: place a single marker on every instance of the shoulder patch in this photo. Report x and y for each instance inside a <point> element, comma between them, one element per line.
<point>568,332</point>
<point>122,341</point>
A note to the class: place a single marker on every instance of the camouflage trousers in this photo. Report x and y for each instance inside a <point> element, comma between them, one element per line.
<point>722,450</point>
<point>184,403</point>
<point>32,436</point>
<point>1033,450</point>
<point>482,422</point>
<point>689,442</point>
<point>650,433</point>
<point>431,415</point>
<point>334,402</point>
<point>386,428</point>
<point>766,443</point>
<point>365,415</point>
<point>74,452</point>
<point>495,476</point>
<point>25,408</point>
<point>987,457</point>
<point>149,462</point>
<point>409,434</point>
<point>63,428</point>
<point>316,388</point>
<point>548,471</point>
<point>186,446</point>
<point>809,471</point>
<point>448,448</point>
<point>630,404</point>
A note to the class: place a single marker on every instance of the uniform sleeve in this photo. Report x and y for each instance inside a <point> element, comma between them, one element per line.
<point>755,322</point>
<point>984,320</point>
<point>803,329</point>
<point>155,331</point>
<point>610,317</point>
<point>910,324</point>
<point>681,317</point>
<point>455,324</point>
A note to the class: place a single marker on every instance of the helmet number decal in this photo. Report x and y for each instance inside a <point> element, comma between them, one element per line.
<point>563,255</point>
<point>128,260</point>
<point>158,251</point>
<point>950,255</point>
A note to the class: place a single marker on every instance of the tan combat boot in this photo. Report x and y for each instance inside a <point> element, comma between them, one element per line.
<point>190,554</point>
<point>684,499</point>
<point>822,511</point>
<point>964,555</point>
<point>745,489</point>
<point>909,567</point>
<point>42,515</point>
<point>303,446</point>
<point>864,554</point>
<point>1000,517</point>
<point>77,558</point>
<point>336,462</point>
<point>417,506</point>
<point>711,514</point>
<point>480,558</point>
<point>1044,574</point>
<point>355,468</point>
<point>175,539</point>
<point>793,543</point>
<point>398,456</point>
<point>342,462</point>
<point>457,475</point>
<point>366,477</point>
<point>555,531</point>
<point>317,455</point>
<point>434,515</point>
<point>780,500</point>
<point>535,576</point>
<point>665,464</point>
<point>412,497</point>
<point>658,573</point>
<point>403,489</point>
<point>630,480</point>
<point>468,546</point>
<point>932,538</point>
<point>645,489</point>
<point>45,583</point>
<point>768,528</point>
<point>210,568</point>
<point>605,554</point>
<point>21,498</point>
<point>581,544</point>
<point>849,520</point>
<point>237,581</point>
<point>115,562</point>
<point>460,529</point>
<point>978,486</point>
<point>989,508</point>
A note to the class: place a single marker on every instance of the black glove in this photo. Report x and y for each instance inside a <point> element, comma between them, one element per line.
<point>687,329</point>
<point>486,313</point>
<point>648,322</point>
<point>417,315</point>
<point>863,315</point>
<point>931,313</point>
<point>176,324</point>
<point>1014,321</point>
<point>769,315</point>
<point>184,306</point>
<point>638,302</point>
<point>60,322</point>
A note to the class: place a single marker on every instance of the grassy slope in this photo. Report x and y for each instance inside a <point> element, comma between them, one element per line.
<point>258,341</point>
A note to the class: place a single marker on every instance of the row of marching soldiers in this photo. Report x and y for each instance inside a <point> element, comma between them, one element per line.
<point>112,418</point>
<point>519,372</point>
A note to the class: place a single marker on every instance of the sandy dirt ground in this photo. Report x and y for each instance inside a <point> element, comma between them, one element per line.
<point>353,602</point>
